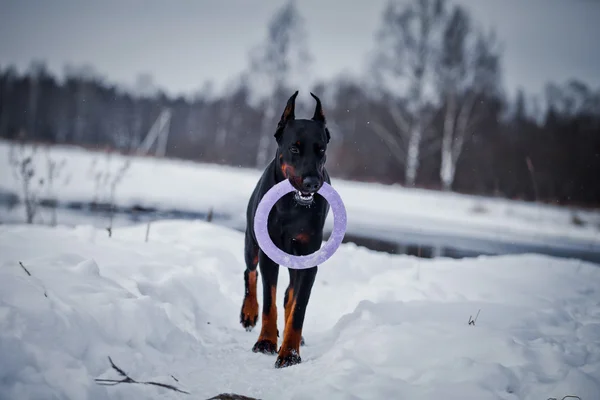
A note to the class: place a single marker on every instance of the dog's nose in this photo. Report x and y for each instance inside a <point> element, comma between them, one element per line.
<point>311,184</point>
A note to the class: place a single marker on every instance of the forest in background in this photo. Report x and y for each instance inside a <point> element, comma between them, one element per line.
<point>431,112</point>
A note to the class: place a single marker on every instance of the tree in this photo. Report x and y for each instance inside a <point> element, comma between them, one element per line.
<point>273,65</point>
<point>405,59</point>
<point>37,70</point>
<point>7,93</point>
<point>84,81</point>
<point>468,68</point>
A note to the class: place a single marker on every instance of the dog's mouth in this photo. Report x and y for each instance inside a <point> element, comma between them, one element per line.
<point>304,198</point>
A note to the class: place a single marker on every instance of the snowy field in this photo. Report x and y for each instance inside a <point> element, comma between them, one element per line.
<point>373,209</point>
<point>378,326</point>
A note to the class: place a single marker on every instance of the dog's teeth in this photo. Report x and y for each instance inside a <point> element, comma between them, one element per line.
<point>306,198</point>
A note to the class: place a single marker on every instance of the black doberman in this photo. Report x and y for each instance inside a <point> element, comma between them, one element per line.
<point>295,225</point>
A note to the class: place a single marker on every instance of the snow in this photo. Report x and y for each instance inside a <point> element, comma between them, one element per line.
<point>373,209</point>
<point>377,326</point>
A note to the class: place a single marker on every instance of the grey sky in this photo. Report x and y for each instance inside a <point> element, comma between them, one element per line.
<point>184,43</point>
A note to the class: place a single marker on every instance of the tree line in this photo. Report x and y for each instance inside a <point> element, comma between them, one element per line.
<point>431,112</point>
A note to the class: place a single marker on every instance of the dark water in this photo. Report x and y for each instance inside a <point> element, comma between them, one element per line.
<point>445,246</point>
<point>399,241</point>
<point>421,249</point>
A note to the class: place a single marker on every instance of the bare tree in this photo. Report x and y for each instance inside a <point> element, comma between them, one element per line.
<point>273,65</point>
<point>85,79</point>
<point>468,68</point>
<point>36,72</point>
<point>53,170</point>
<point>405,60</point>
<point>9,76</point>
<point>21,158</point>
<point>572,98</point>
<point>106,179</point>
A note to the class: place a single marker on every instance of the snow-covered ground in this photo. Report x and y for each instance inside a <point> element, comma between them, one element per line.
<point>373,209</point>
<point>378,326</point>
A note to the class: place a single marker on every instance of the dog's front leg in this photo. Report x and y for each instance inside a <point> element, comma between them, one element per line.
<point>267,341</point>
<point>289,352</point>
<point>249,312</point>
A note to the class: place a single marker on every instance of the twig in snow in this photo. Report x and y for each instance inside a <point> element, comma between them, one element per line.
<point>109,230</point>
<point>22,266</point>
<point>532,176</point>
<point>472,321</point>
<point>148,230</point>
<point>209,216</point>
<point>128,379</point>
<point>29,273</point>
<point>113,185</point>
<point>569,396</point>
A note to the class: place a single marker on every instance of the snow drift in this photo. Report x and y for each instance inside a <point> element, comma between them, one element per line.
<point>378,326</point>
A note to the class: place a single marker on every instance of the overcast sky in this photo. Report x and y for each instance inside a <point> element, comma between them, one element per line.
<point>184,43</point>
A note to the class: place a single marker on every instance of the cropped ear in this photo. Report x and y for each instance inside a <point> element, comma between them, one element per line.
<point>320,115</point>
<point>288,115</point>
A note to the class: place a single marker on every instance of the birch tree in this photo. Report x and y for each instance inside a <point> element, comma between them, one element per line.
<point>405,61</point>
<point>468,69</point>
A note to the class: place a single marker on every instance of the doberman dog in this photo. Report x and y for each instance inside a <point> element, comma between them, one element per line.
<point>295,225</point>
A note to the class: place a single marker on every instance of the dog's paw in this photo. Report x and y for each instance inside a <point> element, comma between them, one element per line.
<point>287,358</point>
<point>265,347</point>
<point>249,313</point>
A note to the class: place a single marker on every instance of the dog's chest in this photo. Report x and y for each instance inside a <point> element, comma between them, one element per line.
<point>292,218</point>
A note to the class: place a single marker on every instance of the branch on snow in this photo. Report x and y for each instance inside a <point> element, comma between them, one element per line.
<point>29,273</point>
<point>471,320</point>
<point>22,266</point>
<point>128,379</point>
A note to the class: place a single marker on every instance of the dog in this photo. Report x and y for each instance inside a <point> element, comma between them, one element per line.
<point>295,225</point>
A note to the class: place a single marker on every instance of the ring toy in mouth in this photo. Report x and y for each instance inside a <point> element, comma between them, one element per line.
<point>299,262</point>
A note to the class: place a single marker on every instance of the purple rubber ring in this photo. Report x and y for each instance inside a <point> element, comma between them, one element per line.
<point>299,262</point>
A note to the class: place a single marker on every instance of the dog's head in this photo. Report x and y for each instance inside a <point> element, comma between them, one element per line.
<point>302,144</point>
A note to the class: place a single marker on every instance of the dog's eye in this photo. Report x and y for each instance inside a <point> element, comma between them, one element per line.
<point>321,150</point>
<point>294,149</point>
